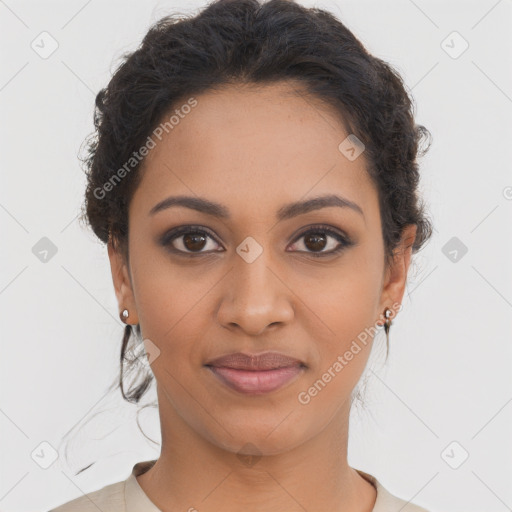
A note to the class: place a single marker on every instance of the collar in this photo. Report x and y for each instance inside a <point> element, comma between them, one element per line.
<point>136,499</point>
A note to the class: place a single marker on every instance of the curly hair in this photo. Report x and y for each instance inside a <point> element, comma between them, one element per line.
<point>249,42</point>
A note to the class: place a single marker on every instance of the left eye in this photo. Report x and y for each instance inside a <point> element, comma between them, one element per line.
<point>316,239</point>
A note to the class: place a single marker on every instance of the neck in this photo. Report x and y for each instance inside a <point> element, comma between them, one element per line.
<point>193,472</point>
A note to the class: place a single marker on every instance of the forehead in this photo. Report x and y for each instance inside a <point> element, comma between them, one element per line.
<point>267,145</point>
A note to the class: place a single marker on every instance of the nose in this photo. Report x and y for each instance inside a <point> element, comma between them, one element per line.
<point>255,297</point>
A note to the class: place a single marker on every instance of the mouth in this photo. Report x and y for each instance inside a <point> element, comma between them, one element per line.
<point>256,374</point>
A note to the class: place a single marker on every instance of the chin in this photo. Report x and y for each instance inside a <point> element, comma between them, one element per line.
<point>259,440</point>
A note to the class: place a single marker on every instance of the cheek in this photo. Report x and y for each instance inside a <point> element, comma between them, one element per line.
<point>173,317</point>
<point>344,301</point>
<point>341,354</point>
<point>341,317</point>
<point>175,324</point>
<point>169,296</point>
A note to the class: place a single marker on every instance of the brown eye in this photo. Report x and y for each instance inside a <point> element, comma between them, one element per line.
<point>315,241</point>
<point>318,238</point>
<point>194,241</point>
<point>189,240</point>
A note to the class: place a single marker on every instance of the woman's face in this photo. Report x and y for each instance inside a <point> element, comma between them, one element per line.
<point>260,277</point>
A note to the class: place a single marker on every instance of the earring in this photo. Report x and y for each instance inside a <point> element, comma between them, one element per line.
<point>387,324</point>
<point>124,315</point>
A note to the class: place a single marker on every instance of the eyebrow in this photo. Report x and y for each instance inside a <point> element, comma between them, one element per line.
<point>286,212</point>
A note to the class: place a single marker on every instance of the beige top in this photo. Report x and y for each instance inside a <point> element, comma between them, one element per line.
<point>128,496</point>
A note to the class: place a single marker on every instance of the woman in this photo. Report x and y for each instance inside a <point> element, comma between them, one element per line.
<point>254,177</point>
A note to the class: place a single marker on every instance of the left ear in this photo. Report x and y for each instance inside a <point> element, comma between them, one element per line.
<point>396,275</point>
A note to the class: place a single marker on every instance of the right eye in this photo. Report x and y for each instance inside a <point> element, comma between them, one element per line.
<point>188,240</point>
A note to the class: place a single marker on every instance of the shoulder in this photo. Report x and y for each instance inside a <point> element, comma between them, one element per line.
<point>387,502</point>
<point>390,503</point>
<point>107,499</point>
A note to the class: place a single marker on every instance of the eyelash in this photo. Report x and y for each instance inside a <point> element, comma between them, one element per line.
<point>172,235</point>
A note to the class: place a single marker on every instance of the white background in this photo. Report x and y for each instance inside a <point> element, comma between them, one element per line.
<point>448,375</point>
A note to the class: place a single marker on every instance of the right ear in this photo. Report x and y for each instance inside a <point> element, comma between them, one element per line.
<point>122,283</point>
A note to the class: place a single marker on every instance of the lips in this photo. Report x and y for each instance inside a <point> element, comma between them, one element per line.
<point>256,374</point>
<point>255,362</point>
